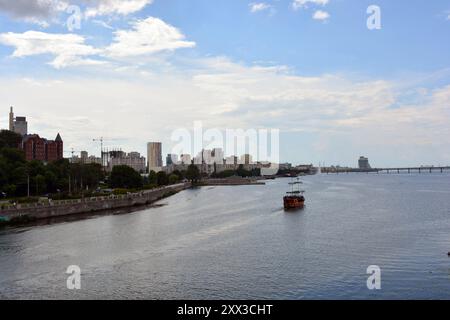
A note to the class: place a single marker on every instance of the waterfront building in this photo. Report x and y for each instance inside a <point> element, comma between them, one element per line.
<point>37,148</point>
<point>85,158</point>
<point>231,160</point>
<point>154,156</point>
<point>207,157</point>
<point>363,163</point>
<point>132,160</point>
<point>246,159</point>
<point>18,124</point>
<point>217,156</point>
<point>208,169</point>
<point>285,166</point>
<point>210,157</point>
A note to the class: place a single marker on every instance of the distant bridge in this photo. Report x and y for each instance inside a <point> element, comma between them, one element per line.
<point>388,170</point>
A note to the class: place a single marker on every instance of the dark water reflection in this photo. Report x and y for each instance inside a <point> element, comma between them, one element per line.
<point>237,242</point>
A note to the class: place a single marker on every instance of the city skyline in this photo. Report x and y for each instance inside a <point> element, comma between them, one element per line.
<point>382,93</point>
<point>155,154</point>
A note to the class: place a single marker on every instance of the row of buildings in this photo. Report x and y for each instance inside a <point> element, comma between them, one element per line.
<point>113,158</point>
<point>208,161</point>
<point>210,157</point>
<point>214,161</point>
<point>34,146</point>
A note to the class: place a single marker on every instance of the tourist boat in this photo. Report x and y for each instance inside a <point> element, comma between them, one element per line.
<point>294,199</point>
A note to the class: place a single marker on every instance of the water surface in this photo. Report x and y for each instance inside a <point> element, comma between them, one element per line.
<point>238,243</point>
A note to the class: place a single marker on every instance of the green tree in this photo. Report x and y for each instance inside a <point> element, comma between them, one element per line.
<point>9,139</point>
<point>173,178</point>
<point>92,175</point>
<point>193,174</point>
<point>242,172</point>
<point>41,185</point>
<point>152,178</point>
<point>162,179</point>
<point>125,177</point>
<point>179,174</point>
<point>12,155</point>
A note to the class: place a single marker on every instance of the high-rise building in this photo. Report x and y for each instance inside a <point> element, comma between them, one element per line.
<point>171,159</point>
<point>246,159</point>
<point>207,156</point>
<point>84,156</point>
<point>11,119</point>
<point>154,156</point>
<point>185,159</point>
<point>132,160</point>
<point>217,156</point>
<point>363,163</point>
<point>18,125</point>
<point>231,160</point>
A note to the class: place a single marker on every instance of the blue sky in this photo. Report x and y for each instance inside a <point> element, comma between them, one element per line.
<point>137,71</point>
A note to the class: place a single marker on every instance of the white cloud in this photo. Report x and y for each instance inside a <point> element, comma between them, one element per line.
<point>44,12</point>
<point>224,94</point>
<point>148,36</point>
<point>102,24</point>
<point>32,8</point>
<point>68,49</point>
<point>259,6</point>
<point>298,4</point>
<point>321,15</point>
<point>40,12</point>
<point>120,7</point>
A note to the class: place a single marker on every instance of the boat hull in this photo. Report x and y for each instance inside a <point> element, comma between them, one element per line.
<point>293,202</point>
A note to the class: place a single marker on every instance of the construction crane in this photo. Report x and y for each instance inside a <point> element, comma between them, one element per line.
<point>101,148</point>
<point>72,152</point>
<point>102,152</point>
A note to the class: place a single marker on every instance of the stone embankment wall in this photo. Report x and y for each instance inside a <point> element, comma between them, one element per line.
<point>232,182</point>
<point>87,205</point>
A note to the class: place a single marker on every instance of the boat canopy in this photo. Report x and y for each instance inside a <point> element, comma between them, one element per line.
<point>296,192</point>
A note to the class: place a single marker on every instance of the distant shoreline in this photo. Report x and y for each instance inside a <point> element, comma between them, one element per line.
<point>232,182</point>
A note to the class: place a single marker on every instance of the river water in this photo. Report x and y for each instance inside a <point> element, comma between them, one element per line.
<point>238,243</point>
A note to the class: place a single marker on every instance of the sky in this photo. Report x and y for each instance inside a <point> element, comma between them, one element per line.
<point>134,71</point>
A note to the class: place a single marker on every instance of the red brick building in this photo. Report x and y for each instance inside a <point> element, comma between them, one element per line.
<point>37,148</point>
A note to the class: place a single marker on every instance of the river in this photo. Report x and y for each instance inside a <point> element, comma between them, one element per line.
<point>238,243</point>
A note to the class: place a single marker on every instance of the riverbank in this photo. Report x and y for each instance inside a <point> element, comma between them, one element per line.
<point>22,213</point>
<point>232,182</point>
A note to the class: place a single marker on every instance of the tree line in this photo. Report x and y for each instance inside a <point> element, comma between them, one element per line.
<point>19,178</point>
<point>62,179</point>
